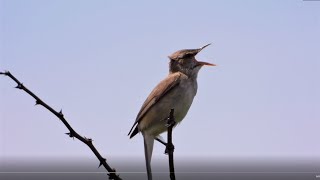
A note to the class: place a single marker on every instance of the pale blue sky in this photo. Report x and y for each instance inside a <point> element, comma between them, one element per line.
<point>98,61</point>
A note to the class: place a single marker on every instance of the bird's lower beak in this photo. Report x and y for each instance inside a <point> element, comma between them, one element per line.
<point>201,63</point>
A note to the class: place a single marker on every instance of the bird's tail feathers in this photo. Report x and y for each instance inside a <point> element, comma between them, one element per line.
<point>148,148</point>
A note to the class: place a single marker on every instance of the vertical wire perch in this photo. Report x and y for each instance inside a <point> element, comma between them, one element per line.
<point>169,146</point>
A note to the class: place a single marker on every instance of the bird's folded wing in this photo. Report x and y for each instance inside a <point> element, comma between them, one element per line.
<point>157,93</point>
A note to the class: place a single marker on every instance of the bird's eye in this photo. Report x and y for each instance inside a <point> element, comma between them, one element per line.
<point>188,55</point>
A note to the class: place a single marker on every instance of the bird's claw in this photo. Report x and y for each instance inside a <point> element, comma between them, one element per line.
<point>169,148</point>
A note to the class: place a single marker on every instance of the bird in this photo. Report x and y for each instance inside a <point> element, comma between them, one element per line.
<point>176,91</point>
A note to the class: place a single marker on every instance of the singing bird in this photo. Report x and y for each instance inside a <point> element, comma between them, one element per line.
<point>176,92</point>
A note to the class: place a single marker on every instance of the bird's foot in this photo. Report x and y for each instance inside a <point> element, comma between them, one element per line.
<point>169,148</point>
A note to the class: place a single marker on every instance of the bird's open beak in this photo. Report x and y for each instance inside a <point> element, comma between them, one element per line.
<point>201,63</point>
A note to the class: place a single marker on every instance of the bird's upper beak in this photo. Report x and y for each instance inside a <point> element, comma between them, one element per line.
<point>200,49</point>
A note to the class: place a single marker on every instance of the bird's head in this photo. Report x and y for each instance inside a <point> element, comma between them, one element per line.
<point>184,61</point>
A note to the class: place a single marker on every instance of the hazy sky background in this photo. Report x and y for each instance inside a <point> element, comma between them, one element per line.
<point>99,60</point>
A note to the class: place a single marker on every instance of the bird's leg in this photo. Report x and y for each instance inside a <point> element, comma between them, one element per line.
<point>160,140</point>
<point>170,124</point>
<point>170,147</point>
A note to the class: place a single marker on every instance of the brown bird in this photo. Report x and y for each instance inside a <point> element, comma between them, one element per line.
<point>176,92</point>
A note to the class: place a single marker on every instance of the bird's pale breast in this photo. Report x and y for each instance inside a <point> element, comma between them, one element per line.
<point>180,98</point>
